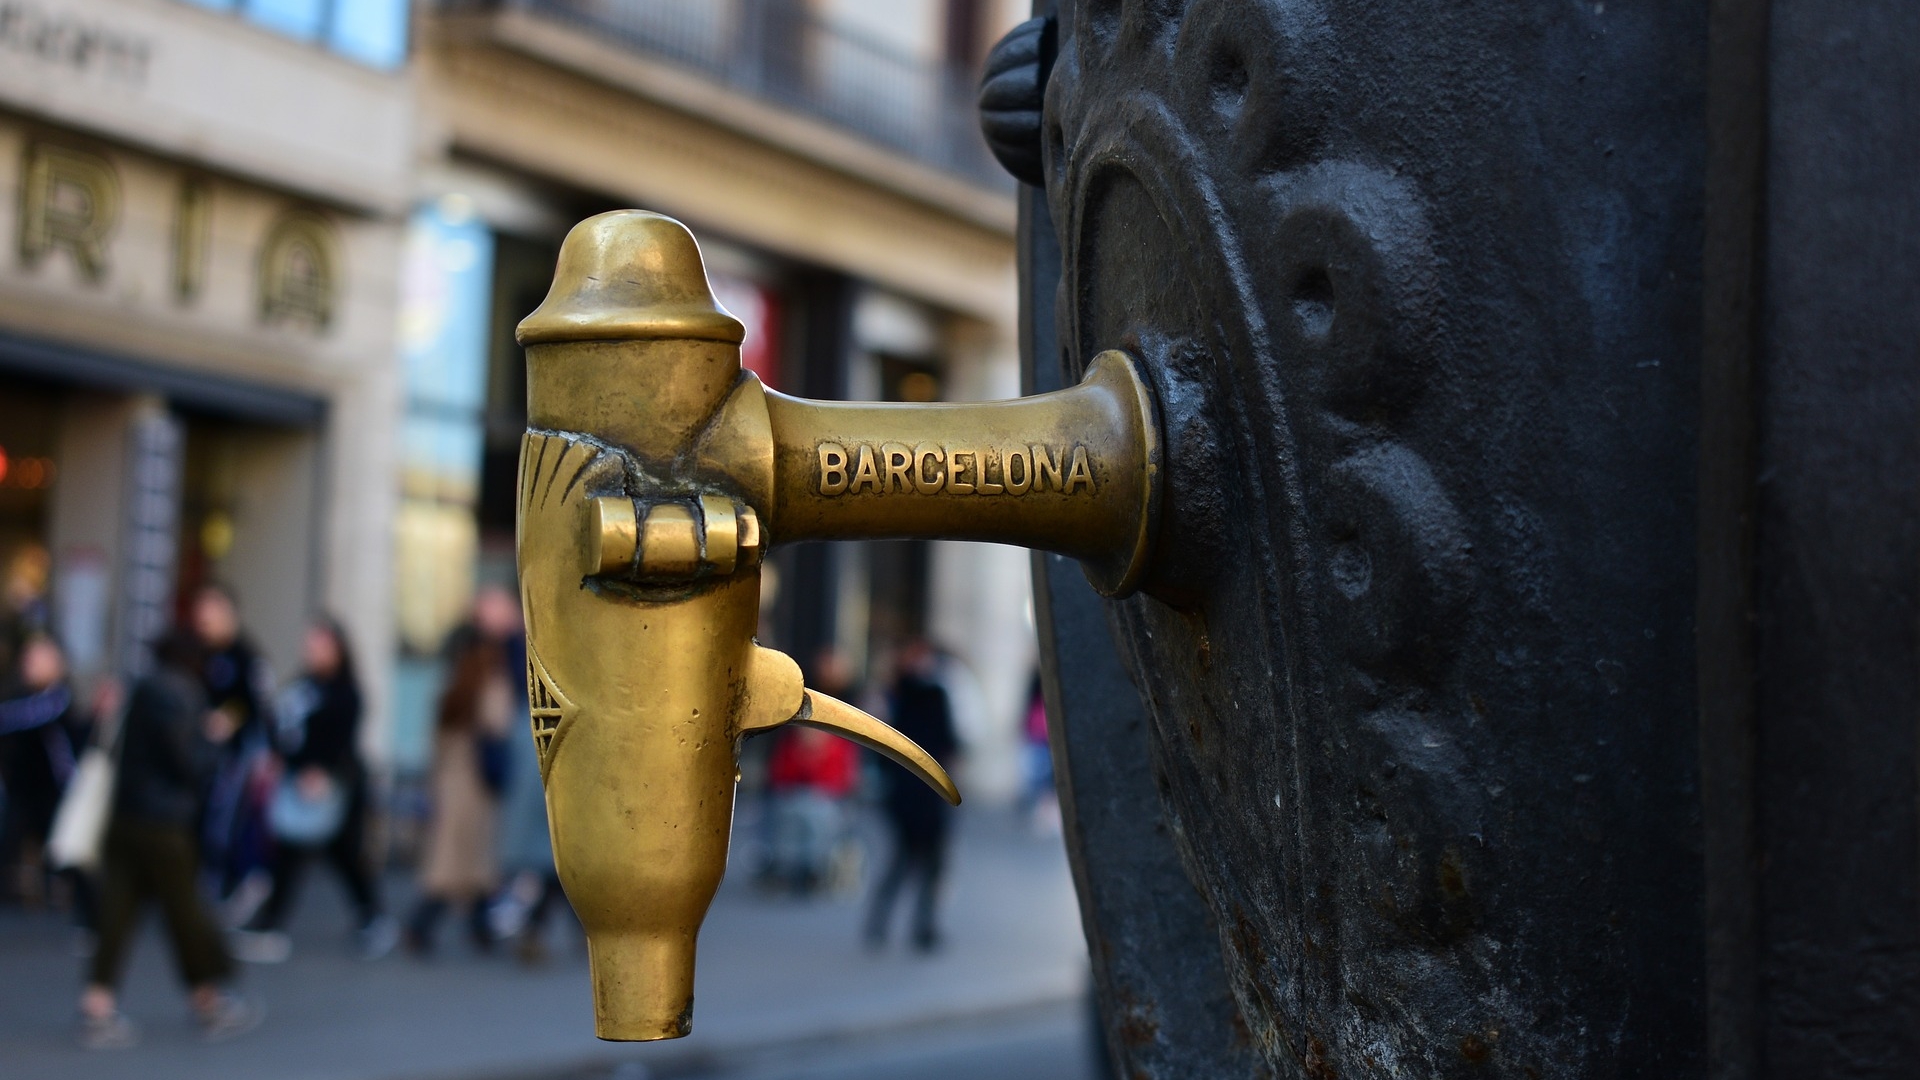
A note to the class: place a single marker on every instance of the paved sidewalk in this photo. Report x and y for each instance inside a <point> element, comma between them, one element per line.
<point>1046,1042</point>
<point>772,973</point>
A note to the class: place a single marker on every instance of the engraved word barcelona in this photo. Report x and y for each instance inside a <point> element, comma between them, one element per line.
<point>930,470</point>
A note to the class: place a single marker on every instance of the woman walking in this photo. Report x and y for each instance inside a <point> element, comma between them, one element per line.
<point>459,867</point>
<point>320,810</point>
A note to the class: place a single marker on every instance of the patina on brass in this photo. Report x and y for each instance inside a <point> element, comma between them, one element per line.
<point>653,475</point>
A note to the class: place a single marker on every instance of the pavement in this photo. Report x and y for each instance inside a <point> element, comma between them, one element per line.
<point>1048,1042</point>
<point>783,984</point>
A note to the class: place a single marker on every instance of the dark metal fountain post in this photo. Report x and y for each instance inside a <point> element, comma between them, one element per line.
<point>1535,692</point>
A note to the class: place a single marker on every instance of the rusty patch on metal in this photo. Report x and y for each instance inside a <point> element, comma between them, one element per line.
<point>1478,1048</point>
<point>1317,1065</point>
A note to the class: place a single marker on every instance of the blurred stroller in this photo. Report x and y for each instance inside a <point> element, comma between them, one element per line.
<point>812,849</point>
<point>811,846</point>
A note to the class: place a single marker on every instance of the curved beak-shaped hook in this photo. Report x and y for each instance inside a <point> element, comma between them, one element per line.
<point>772,683</point>
<point>832,714</point>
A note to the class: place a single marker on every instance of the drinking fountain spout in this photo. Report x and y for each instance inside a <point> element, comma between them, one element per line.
<point>654,474</point>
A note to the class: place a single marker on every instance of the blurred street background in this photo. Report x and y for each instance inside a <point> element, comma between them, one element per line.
<point>786,990</point>
<point>260,397</point>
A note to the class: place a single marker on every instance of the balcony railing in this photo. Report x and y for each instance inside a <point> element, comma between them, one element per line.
<point>784,53</point>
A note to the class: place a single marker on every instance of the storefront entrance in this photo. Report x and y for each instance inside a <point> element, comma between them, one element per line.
<point>29,432</point>
<point>117,500</point>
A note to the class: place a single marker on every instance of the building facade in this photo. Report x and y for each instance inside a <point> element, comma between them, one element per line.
<point>203,212</point>
<point>265,258</point>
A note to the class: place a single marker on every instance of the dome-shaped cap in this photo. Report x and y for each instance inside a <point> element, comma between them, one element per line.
<point>629,274</point>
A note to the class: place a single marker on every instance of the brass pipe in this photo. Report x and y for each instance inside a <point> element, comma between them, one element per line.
<point>1072,472</point>
<point>653,475</point>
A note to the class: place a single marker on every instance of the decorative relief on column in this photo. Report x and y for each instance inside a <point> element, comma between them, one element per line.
<point>1306,692</point>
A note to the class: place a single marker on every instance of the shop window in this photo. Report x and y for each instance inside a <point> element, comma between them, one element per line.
<point>295,18</point>
<point>371,32</point>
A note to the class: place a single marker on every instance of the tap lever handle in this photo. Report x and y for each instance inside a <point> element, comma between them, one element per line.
<point>840,717</point>
<point>773,683</point>
<point>832,714</point>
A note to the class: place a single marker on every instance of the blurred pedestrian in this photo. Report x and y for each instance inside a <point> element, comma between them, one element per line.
<point>237,845</point>
<point>919,817</point>
<point>39,726</point>
<point>24,613</point>
<point>169,747</point>
<point>1043,803</point>
<point>320,807</point>
<point>810,775</point>
<point>532,893</point>
<point>467,777</point>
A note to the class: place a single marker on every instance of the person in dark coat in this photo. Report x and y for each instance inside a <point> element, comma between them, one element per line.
<point>919,817</point>
<point>317,737</point>
<point>234,834</point>
<point>169,747</point>
<point>38,722</point>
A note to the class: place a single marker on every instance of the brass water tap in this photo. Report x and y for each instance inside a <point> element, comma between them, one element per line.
<point>654,474</point>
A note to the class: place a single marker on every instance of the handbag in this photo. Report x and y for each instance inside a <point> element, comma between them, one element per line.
<point>297,818</point>
<point>80,823</point>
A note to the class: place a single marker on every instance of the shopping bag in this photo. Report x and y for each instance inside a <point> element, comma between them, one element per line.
<point>80,824</point>
<point>308,822</point>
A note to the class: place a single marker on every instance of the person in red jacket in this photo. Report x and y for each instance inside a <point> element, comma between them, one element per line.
<point>810,775</point>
